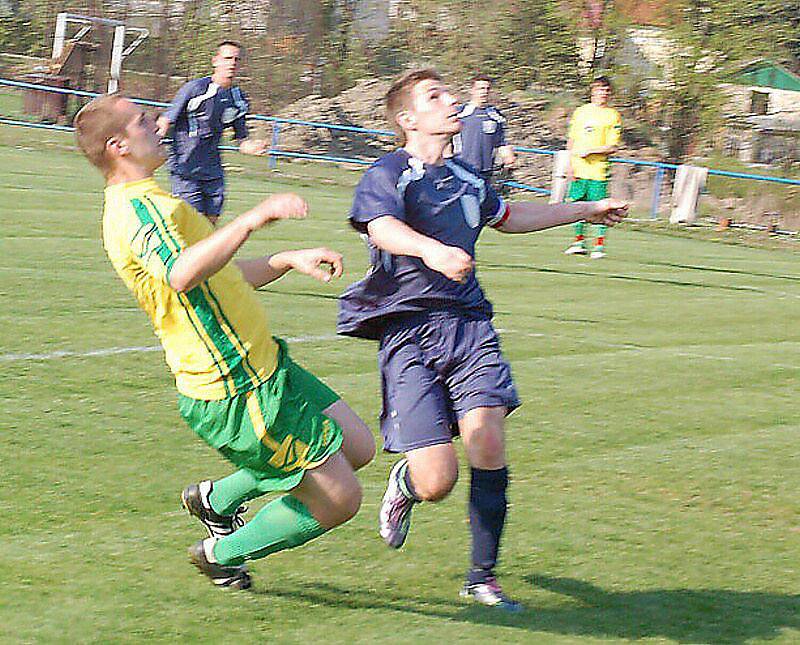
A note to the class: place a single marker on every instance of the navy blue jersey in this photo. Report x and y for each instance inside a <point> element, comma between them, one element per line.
<point>450,203</point>
<point>483,130</point>
<point>199,113</point>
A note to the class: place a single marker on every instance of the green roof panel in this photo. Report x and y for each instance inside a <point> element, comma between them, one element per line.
<point>767,74</point>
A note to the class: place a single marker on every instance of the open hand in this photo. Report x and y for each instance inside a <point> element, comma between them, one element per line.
<point>608,212</point>
<point>320,263</point>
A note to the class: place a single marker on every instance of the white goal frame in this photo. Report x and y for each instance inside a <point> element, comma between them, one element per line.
<point>118,50</point>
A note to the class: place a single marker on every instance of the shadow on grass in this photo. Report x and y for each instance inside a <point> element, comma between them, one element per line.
<point>696,267</point>
<point>682,615</point>
<point>321,593</point>
<point>620,276</point>
<point>307,294</point>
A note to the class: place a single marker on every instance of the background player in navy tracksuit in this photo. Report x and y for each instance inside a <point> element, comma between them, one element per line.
<point>482,140</point>
<point>442,370</point>
<point>201,110</point>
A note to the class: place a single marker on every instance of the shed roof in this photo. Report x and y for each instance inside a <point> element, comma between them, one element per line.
<point>767,73</point>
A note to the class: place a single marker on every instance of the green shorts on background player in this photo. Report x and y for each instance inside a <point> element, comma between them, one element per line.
<point>283,429</point>
<point>594,133</point>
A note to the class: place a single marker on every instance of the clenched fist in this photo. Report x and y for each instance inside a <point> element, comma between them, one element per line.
<point>451,261</point>
<point>276,207</point>
<point>608,211</point>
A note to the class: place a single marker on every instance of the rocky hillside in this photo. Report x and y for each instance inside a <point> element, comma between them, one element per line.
<point>530,124</point>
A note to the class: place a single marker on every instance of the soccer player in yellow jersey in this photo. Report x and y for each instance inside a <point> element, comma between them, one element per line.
<point>595,132</point>
<point>238,388</point>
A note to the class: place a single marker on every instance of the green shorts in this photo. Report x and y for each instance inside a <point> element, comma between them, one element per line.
<point>587,190</point>
<point>276,431</point>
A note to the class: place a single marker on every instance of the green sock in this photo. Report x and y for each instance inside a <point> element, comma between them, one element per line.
<point>579,226</point>
<point>232,491</point>
<point>282,524</point>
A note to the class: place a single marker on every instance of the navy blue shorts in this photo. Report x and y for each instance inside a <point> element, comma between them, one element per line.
<point>205,195</point>
<point>435,367</point>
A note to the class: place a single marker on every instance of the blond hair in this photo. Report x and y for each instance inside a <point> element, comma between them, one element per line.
<point>398,98</point>
<point>96,123</point>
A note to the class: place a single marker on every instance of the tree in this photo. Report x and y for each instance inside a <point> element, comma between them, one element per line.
<point>517,42</point>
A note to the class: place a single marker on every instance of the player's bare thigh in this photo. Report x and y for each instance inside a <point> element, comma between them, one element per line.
<point>482,430</point>
<point>358,444</point>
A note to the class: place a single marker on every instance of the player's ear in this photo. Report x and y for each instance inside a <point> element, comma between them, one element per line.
<point>406,120</point>
<point>117,146</point>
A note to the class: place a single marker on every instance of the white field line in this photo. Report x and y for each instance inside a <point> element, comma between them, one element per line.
<point>111,351</point>
<point>705,356</point>
<point>621,348</point>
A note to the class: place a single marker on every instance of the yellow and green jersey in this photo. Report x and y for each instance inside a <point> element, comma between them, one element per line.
<point>216,336</point>
<point>593,126</point>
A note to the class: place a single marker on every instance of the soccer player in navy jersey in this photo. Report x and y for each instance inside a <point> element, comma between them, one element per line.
<point>200,112</point>
<point>481,143</point>
<point>442,370</point>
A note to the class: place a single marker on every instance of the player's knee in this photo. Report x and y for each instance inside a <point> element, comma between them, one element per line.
<point>487,449</point>
<point>491,447</point>
<point>359,444</point>
<point>350,504</point>
<point>364,449</point>
<point>366,456</point>
<point>436,485</point>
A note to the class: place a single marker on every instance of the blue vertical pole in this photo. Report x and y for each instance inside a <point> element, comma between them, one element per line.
<point>276,134</point>
<point>657,182</point>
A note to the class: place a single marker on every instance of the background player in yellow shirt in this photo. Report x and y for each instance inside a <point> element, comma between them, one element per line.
<point>595,132</point>
<point>238,388</point>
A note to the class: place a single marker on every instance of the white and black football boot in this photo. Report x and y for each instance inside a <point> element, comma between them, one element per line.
<point>228,577</point>
<point>195,500</point>
<point>490,593</point>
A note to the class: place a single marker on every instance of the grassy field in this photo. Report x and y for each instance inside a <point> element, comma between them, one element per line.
<point>655,466</point>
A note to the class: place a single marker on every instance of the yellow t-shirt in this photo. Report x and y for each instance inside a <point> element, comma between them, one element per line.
<point>216,336</point>
<point>593,126</point>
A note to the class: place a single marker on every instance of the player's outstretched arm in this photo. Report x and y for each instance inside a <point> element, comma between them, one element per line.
<point>398,238</point>
<point>203,259</point>
<point>526,217</point>
<point>320,263</point>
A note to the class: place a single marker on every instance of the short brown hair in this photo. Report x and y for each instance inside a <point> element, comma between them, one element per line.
<point>481,77</point>
<point>399,95</point>
<point>96,123</point>
<point>229,43</point>
<point>602,80</point>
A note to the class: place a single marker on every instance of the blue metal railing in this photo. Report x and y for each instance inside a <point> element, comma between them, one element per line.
<point>317,124</point>
<point>274,152</point>
<point>41,126</point>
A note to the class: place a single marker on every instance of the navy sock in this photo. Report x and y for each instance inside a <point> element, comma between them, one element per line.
<point>487,516</point>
